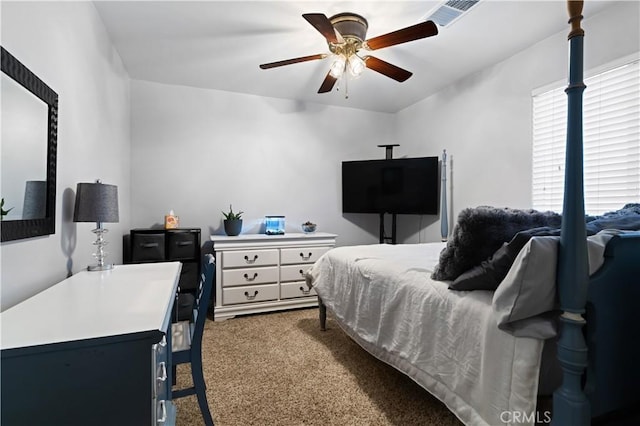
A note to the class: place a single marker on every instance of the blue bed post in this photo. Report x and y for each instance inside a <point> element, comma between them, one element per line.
<point>570,404</point>
<point>444,221</point>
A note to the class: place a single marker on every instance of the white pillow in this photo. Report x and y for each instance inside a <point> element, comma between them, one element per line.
<point>525,300</point>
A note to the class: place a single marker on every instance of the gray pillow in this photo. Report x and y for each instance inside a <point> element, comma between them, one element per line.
<point>525,301</point>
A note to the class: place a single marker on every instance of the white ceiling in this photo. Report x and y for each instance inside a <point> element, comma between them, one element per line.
<point>219,44</point>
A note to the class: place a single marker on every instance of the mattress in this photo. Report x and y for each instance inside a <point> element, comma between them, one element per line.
<point>447,341</point>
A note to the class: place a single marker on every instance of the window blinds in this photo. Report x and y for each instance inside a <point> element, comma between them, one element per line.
<point>611,132</point>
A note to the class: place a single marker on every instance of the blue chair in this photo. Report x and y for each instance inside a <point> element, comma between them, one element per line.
<point>186,339</point>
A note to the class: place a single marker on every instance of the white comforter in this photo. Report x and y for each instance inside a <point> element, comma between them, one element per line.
<point>447,341</point>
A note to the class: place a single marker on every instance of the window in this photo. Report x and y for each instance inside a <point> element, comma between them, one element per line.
<point>611,129</point>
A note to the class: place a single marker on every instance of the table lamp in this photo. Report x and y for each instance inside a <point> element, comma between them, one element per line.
<point>97,202</point>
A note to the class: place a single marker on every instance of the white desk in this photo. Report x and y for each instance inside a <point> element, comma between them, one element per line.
<point>85,350</point>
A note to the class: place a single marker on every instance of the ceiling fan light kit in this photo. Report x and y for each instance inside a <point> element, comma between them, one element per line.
<point>351,30</point>
<point>345,34</point>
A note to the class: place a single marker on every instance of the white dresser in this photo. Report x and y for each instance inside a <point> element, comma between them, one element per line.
<point>261,273</point>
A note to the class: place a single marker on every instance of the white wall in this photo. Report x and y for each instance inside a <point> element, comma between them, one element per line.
<point>484,120</point>
<point>196,151</point>
<point>66,45</point>
<point>270,156</point>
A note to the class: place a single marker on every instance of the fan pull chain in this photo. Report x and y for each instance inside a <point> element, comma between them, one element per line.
<point>346,88</point>
<point>344,78</point>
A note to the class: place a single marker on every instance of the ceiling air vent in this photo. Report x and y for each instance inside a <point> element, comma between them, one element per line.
<point>451,10</point>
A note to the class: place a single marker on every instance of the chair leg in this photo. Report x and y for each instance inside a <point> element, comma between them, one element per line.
<point>201,388</point>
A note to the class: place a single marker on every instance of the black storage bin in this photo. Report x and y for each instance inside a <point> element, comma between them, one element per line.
<point>189,276</point>
<point>169,245</point>
<point>147,247</point>
<point>183,245</point>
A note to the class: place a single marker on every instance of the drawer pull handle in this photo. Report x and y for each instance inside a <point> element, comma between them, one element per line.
<point>301,272</point>
<point>255,293</point>
<point>250,261</point>
<point>306,257</point>
<point>255,275</point>
<point>163,371</point>
<point>305,292</point>
<point>148,245</point>
<point>184,243</point>
<point>163,410</point>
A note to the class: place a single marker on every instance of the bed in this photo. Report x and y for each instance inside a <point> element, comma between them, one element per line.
<point>559,321</point>
<point>485,354</point>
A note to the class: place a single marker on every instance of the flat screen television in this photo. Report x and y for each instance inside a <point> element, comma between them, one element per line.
<point>402,186</point>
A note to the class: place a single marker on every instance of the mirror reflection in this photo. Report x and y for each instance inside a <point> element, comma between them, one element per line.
<point>23,152</point>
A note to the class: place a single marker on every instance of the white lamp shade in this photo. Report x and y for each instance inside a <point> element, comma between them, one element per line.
<point>356,65</point>
<point>337,67</point>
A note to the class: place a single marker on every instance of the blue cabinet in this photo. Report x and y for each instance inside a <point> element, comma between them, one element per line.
<point>99,353</point>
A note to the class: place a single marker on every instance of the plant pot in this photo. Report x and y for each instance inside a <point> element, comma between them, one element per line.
<point>233,227</point>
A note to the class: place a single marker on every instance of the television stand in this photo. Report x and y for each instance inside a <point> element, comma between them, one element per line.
<point>383,237</point>
<point>388,150</point>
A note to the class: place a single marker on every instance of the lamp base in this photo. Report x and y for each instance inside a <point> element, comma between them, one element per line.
<point>100,267</point>
<point>100,254</point>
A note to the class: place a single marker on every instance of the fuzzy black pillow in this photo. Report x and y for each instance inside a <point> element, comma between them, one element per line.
<point>481,231</point>
<point>490,273</point>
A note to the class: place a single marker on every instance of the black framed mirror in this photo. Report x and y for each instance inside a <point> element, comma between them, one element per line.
<point>29,145</point>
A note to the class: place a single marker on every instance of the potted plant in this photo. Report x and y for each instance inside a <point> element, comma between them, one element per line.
<point>3,212</point>
<point>232,222</point>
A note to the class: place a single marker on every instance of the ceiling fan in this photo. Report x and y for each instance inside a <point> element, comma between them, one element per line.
<point>345,34</point>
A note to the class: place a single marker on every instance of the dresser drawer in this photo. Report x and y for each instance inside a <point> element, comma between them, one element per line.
<point>247,294</point>
<point>165,413</point>
<point>249,276</point>
<point>302,254</point>
<point>295,289</point>
<point>159,369</point>
<point>293,272</point>
<point>243,258</point>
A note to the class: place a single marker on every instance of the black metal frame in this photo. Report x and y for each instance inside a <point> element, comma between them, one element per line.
<point>27,228</point>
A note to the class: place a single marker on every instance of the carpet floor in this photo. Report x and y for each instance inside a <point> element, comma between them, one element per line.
<point>280,369</point>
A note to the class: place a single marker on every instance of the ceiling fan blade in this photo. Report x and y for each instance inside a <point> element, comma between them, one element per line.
<point>328,83</point>
<point>293,61</point>
<point>385,68</point>
<point>321,23</point>
<point>415,32</point>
